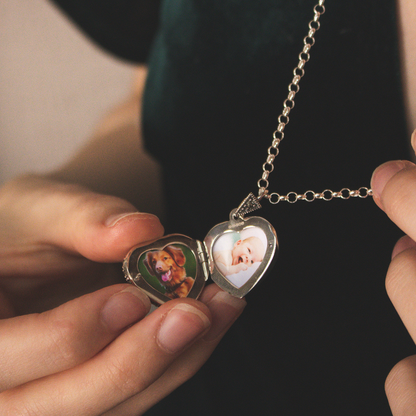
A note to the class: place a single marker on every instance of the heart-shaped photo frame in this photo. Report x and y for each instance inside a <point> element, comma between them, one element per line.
<point>168,268</point>
<point>240,252</point>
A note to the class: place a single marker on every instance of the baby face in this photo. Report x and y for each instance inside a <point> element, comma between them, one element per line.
<point>247,251</point>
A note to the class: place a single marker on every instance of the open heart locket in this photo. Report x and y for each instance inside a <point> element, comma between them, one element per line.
<point>236,254</point>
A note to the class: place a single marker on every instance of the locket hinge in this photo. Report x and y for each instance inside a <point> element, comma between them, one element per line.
<point>203,259</point>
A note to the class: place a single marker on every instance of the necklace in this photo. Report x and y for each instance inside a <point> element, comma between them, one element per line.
<point>238,252</point>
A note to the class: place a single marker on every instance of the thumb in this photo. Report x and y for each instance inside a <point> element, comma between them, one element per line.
<point>36,211</point>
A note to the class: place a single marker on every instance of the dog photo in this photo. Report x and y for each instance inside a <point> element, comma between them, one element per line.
<point>237,255</point>
<point>170,270</point>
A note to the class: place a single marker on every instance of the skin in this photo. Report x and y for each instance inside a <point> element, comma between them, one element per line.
<point>67,324</point>
<point>394,186</point>
<point>102,341</point>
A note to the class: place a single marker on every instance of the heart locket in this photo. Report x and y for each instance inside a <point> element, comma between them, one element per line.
<point>235,253</point>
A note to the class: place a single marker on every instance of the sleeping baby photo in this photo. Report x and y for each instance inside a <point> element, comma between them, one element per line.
<point>238,254</point>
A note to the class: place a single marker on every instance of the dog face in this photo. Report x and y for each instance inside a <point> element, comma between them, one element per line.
<point>166,264</point>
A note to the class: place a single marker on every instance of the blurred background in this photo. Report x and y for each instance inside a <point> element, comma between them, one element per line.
<point>55,86</point>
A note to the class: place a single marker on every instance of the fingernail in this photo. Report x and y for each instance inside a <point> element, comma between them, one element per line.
<point>125,308</point>
<point>180,327</point>
<point>117,219</point>
<point>225,309</point>
<point>384,173</point>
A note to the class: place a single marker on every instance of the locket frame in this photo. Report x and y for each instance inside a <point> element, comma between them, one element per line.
<point>236,225</point>
<point>134,276</point>
<point>205,264</point>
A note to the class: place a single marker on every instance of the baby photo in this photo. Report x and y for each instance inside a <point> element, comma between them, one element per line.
<point>238,254</point>
<point>170,270</point>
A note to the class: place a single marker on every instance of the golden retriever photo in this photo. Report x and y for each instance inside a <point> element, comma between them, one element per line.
<point>168,266</point>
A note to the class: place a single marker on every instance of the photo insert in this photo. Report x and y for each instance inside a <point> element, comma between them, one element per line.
<point>170,270</point>
<point>237,255</point>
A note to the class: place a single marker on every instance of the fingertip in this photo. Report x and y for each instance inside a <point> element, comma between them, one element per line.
<point>111,239</point>
<point>383,174</point>
<point>118,219</point>
<point>134,228</point>
<point>181,326</point>
<point>125,308</point>
<point>402,244</point>
<point>149,225</point>
<point>224,308</point>
<point>400,386</point>
<point>102,228</point>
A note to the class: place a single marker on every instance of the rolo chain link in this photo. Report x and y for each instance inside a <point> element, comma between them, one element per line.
<point>327,195</point>
<point>283,119</point>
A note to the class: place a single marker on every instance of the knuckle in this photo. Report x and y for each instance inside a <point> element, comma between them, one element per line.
<point>65,348</point>
<point>125,378</point>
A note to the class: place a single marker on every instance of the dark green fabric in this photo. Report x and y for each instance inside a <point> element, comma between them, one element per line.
<point>125,28</point>
<point>319,334</point>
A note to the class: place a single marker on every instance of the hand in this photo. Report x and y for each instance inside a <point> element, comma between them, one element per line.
<point>394,186</point>
<point>54,238</point>
<point>98,354</point>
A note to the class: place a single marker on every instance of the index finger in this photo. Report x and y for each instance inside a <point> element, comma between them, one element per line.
<point>127,366</point>
<point>394,191</point>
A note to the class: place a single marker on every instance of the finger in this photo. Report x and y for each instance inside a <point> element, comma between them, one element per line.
<point>133,361</point>
<point>403,244</point>
<point>401,387</point>
<point>394,191</point>
<point>401,286</point>
<point>38,345</point>
<point>102,228</point>
<point>225,309</point>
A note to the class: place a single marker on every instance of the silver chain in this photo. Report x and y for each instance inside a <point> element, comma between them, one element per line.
<point>283,119</point>
<point>327,195</point>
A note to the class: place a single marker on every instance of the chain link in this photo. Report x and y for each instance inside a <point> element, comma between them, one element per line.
<point>289,102</point>
<point>327,195</point>
<point>283,119</point>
